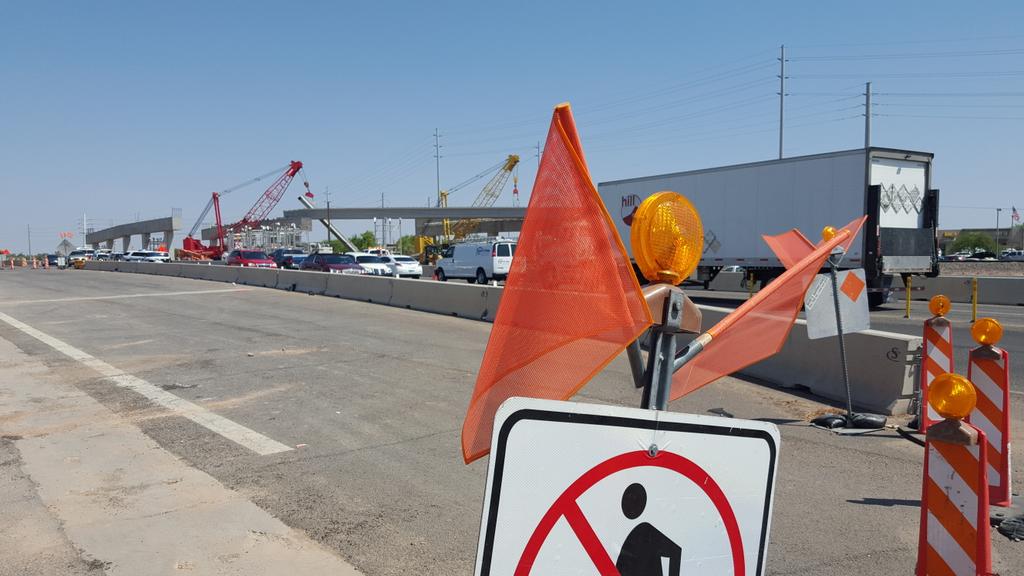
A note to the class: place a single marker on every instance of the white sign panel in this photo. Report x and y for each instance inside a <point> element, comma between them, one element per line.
<point>820,308</point>
<point>574,489</point>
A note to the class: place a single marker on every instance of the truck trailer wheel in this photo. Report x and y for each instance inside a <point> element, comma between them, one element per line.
<point>876,299</point>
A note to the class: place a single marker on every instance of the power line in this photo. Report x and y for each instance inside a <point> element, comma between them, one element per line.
<point>906,56</point>
<point>951,94</point>
<point>952,117</point>
<point>996,74</point>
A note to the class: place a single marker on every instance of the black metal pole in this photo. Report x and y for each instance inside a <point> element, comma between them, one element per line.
<point>839,328</point>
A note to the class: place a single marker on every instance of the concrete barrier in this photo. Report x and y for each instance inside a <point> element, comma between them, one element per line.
<point>883,365</point>
<point>299,281</point>
<point>264,277</point>
<point>991,289</point>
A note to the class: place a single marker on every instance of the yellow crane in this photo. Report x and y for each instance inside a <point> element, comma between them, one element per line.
<point>455,230</point>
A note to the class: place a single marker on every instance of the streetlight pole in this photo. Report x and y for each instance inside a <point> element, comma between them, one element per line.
<point>327,193</point>
<point>998,210</point>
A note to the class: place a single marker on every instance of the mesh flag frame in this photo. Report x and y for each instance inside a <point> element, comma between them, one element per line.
<point>571,302</point>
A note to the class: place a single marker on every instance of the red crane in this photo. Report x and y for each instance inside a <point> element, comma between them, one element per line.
<point>194,249</point>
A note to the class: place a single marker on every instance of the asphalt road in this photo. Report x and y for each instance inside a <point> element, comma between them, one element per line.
<point>372,400</point>
<point>890,318</point>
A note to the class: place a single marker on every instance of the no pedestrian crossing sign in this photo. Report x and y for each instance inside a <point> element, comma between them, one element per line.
<point>588,489</point>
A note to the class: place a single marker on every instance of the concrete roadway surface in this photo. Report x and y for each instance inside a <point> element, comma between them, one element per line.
<point>890,319</point>
<point>352,414</point>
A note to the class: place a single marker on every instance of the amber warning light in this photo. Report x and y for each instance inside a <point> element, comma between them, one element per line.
<point>667,237</point>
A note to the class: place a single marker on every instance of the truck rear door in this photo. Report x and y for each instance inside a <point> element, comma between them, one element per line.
<point>907,212</point>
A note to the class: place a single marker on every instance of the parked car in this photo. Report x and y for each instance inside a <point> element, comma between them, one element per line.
<point>982,257</point>
<point>333,263</point>
<point>79,256</point>
<point>287,257</point>
<point>101,255</point>
<point>1011,255</point>
<point>250,259</point>
<point>478,262</point>
<point>371,263</point>
<point>403,266</point>
<point>146,256</point>
<point>52,260</point>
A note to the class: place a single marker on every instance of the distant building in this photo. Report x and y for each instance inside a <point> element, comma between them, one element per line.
<point>1004,237</point>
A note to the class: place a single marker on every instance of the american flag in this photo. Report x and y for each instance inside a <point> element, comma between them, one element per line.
<point>1015,215</point>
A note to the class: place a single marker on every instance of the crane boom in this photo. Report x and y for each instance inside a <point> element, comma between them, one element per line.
<point>226,191</point>
<point>266,203</point>
<point>193,248</point>
<point>488,196</point>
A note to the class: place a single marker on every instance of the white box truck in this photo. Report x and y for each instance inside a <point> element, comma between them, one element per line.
<point>738,204</point>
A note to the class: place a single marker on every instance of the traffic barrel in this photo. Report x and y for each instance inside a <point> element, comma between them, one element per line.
<point>989,369</point>
<point>955,536</point>
<point>936,356</point>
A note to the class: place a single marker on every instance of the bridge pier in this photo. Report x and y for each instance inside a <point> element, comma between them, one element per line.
<point>168,241</point>
<point>125,243</point>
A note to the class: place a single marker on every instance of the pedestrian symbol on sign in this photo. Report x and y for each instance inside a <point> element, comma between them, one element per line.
<point>646,550</point>
<point>614,509</point>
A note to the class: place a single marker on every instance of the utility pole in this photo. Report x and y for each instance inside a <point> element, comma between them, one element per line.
<point>867,115</point>
<point>782,95</point>
<point>437,163</point>
<point>29,227</point>
<point>537,155</point>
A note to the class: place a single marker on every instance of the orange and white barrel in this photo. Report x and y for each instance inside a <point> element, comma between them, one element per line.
<point>936,359</point>
<point>989,369</point>
<point>955,535</point>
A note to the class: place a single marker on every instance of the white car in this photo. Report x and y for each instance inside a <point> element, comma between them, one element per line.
<point>146,256</point>
<point>478,262</point>
<point>371,263</point>
<point>403,266</point>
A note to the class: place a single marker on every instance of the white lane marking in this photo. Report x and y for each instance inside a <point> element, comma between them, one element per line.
<point>123,296</point>
<point>229,429</point>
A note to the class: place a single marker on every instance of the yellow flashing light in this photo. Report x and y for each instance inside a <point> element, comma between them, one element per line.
<point>952,395</point>
<point>828,233</point>
<point>667,237</point>
<point>939,305</point>
<point>987,331</point>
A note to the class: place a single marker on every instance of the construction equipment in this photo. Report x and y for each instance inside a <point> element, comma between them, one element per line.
<point>194,249</point>
<point>451,231</point>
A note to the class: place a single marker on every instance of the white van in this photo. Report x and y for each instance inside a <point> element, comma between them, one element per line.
<point>478,262</point>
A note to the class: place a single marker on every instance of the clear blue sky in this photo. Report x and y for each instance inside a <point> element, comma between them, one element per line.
<point>126,109</point>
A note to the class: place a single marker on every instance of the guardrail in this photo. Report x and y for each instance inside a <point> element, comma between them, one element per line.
<point>883,365</point>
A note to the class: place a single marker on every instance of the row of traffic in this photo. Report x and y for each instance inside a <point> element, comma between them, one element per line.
<point>323,259</point>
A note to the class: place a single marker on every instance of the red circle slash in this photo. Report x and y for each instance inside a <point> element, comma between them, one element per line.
<point>565,505</point>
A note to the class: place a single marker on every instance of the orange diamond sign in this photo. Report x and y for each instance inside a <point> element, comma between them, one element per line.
<point>853,286</point>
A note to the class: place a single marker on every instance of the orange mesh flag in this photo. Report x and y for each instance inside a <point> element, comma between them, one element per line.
<point>571,302</point>
<point>791,247</point>
<point>759,327</point>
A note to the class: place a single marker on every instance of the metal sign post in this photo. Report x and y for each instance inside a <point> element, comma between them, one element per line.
<point>851,419</point>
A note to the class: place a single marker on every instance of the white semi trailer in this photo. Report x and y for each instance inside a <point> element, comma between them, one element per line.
<point>740,203</point>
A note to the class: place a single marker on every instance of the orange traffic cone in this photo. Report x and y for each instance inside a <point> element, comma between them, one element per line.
<point>34,264</point>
